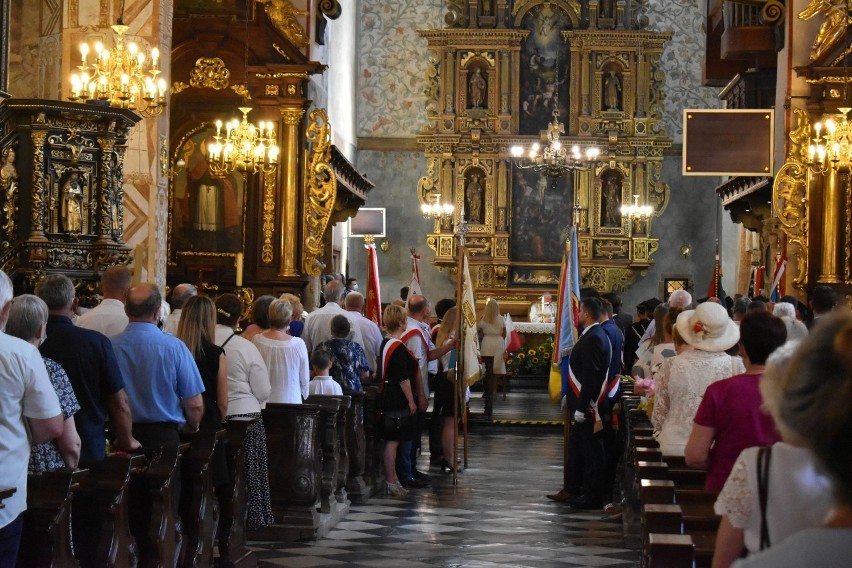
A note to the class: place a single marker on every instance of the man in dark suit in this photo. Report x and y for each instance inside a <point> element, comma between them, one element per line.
<point>584,380</point>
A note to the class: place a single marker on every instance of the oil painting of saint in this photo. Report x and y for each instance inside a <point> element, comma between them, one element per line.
<point>544,68</point>
<point>540,211</point>
<point>207,210</point>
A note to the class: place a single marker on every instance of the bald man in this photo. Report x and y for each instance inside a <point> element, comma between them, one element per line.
<point>162,379</point>
<point>109,317</point>
<point>180,295</point>
<point>354,304</point>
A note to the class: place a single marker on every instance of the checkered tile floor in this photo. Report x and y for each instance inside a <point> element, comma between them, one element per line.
<point>497,516</point>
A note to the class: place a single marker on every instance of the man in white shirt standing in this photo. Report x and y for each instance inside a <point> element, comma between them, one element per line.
<point>109,317</point>
<point>29,403</point>
<point>371,333</point>
<point>318,324</point>
<point>180,295</point>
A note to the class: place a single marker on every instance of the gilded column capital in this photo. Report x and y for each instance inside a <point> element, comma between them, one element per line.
<point>292,116</point>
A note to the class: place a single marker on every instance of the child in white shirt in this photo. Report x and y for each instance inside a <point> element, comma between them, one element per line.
<point>322,383</point>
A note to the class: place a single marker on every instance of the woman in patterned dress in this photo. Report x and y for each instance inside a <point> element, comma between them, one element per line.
<point>248,391</point>
<point>27,321</point>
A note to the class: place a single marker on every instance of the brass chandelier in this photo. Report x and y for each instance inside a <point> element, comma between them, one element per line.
<point>554,160</point>
<point>124,77</point>
<point>244,147</point>
<point>636,211</point>
<point>831,146</point>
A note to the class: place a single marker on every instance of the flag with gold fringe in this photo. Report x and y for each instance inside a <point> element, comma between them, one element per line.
<point>567,312</point>
<point>470,348</point>
<point>373,307</point>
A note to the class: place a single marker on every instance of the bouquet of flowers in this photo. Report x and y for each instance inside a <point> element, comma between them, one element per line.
<point>531,360</point>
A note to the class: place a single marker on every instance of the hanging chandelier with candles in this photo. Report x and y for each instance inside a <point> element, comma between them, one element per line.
<point>553,159</point>
<point>831,146</point>
<point>636,211</point>
<point>437,210</point>
<point>124,77</point>
<point>244,147</point>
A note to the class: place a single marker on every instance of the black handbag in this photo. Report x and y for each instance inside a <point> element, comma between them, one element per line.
<point>393,421</point>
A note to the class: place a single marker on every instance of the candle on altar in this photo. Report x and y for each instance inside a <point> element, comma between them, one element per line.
<point>239,264</point>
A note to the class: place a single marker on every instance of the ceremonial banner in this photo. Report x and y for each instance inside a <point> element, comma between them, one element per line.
<point>373,306</point>
<point>568,306</point>
<point>470,348</point>
<point>414,286</point>
<point>777,282</point>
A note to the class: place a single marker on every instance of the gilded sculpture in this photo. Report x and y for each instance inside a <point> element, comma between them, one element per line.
<point>832,29</point>
<point>72,203</point>
<point>321,190</point>
<point>9,189</point>
<point>284,18</point>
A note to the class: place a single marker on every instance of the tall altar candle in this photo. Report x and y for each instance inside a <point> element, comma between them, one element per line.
<point>239,262</point>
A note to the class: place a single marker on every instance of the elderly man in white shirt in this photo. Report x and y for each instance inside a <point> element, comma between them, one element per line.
<point>371,333</point>
<point>318,324</point>
<point>29,413</point>
<point>109,317</point>
<point>180,295</point>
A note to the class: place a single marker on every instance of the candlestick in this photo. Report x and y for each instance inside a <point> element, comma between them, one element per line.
<point>239,263</point>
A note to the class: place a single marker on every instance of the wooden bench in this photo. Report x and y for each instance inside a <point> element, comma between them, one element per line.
<point>153,497</point>
<point>199,507</point>
<point>46,539</point>
<point>294,456</point>
<point>100,525</point>
<point>233,552</point>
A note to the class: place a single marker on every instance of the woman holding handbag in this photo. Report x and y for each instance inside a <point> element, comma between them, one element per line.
<point>398,369</point>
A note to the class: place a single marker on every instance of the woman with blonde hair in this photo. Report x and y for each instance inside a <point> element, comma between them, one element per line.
<point>399,370</point>
<point>296,323</point>
<point>493,330</point>
<point>197,329</point>
<point>285,356</point>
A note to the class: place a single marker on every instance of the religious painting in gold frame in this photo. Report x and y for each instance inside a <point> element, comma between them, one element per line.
<point>207,212</point>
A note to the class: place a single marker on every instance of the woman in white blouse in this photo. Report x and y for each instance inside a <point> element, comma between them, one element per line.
<point>285,356</point>
<point>681,384</point>
<point>248,390</point>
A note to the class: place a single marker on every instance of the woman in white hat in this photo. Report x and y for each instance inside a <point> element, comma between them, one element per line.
<point>680,386</point>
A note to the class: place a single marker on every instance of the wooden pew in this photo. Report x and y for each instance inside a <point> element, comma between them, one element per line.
<point>356,448</point>
<point>330,448</point>
<point>374,470</point>
<point>46,539</point>
<point>346,421</point>
<point>233,552</point>
<point>295,471</point>
<point>153,502</point>
<point>199,508</point>
<point>670,551</point>
<point>100,527</point>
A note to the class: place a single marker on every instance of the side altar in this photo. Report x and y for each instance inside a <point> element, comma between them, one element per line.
<point>499,70</point>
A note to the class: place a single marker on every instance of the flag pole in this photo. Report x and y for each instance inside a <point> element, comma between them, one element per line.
<point>461,231</point>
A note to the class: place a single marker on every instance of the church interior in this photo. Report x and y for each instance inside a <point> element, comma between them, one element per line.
<point>255,146</point>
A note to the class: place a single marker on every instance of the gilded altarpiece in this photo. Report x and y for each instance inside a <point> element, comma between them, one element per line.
<point>61,190</point>
<point>495,80</point>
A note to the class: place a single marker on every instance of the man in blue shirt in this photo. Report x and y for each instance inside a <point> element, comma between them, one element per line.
<point>163,383</point>
<point>88,358</point>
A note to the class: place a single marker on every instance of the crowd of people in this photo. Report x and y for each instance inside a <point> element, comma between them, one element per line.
<point>134,372</point>
<point>744,391</point>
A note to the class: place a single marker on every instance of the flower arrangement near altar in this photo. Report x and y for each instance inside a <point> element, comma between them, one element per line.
<point>531,360</point>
